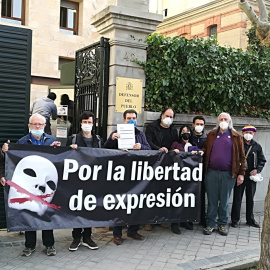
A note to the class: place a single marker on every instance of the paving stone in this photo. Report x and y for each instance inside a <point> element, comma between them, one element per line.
<point>161,249</point>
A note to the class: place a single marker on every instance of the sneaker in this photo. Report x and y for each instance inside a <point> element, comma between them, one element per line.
<point>75,244</point>
<point>208,230</point>
<point>28,251</point>
<point>51,251</point>
<point>222,230</point>
<point>88,242</point>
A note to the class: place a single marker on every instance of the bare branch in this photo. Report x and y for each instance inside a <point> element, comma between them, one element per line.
<point>246,7</point>
<point>263,10</point>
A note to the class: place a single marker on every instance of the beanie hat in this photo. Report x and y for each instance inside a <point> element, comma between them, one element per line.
<point>249,128</point>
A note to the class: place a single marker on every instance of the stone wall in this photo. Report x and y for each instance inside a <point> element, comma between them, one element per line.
<point>262,136</point>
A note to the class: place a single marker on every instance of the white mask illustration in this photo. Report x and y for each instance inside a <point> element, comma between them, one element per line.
<point>38,176</point>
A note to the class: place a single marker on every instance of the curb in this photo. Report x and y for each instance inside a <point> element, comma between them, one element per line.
<point>231,261</point>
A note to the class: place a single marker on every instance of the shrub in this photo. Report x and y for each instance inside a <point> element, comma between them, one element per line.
<point>199,76</point>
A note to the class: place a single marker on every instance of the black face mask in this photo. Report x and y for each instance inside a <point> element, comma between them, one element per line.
<point>186,136</point>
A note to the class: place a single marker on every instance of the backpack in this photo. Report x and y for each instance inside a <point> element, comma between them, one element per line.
<point>75,136</point>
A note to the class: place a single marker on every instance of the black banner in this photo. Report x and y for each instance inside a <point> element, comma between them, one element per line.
<point>55,188</point>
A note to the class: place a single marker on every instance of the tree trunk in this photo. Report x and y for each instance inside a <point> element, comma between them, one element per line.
<point>261,24</point>
<point>264,263</point>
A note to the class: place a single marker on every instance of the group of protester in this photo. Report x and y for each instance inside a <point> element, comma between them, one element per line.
<point>225,152</point>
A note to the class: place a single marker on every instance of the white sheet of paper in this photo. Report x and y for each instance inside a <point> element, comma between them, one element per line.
<point>127,136</point>
<point>61,132</point>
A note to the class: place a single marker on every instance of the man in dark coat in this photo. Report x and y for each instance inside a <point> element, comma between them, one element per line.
<point>255,163</point>
<point>198,138</point>
<point>130,117</point>
<point>85,138</point>
<point>160,134</point>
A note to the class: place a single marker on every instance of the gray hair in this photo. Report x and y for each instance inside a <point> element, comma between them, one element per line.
<point>37,115</point>
<point>230,121</point>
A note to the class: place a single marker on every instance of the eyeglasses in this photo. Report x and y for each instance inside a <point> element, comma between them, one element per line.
<point>37,124</point>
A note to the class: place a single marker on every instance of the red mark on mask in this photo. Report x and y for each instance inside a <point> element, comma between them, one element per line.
<point>32,197</point>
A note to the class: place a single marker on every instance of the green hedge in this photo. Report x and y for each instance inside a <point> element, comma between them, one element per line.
<point>199,76</point>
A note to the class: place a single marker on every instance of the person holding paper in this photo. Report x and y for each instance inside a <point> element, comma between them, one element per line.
<point>130,117</point>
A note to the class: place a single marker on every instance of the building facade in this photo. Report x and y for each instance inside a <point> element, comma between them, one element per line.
<point>59,28</point>
<point>205,18</point>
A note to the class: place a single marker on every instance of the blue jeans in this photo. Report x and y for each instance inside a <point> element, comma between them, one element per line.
<point>218,185</point>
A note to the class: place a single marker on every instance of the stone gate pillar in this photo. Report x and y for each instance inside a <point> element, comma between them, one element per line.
<point>126,23</point>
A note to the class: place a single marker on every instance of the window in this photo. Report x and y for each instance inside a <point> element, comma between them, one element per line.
<point>212,30</point>
<point>13,11</point>
<point>165,12</point>
<point>63,60</point>
<point>69,17</point>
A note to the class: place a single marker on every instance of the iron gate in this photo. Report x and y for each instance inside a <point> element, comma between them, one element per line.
<point>91,84</point>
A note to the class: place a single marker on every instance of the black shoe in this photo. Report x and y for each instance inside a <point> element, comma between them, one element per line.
<point>175,228</point>
<point>253,224</point>
<point>187,225</point>
<point>75,244</point>
<point>234,225</point>
<point>88,242</point>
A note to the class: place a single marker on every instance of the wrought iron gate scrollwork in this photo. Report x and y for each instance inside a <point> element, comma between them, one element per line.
<point>91,84</point>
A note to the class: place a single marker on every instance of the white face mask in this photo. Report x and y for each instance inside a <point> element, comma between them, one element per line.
<point>223,125</point>
<point>248,136</point>
<point>198,129</point>
<point>38,176</point>
<point>167,121</point>
<point>87,128</point>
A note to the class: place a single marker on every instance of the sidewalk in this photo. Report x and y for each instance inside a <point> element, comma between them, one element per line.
<point>161,249</point>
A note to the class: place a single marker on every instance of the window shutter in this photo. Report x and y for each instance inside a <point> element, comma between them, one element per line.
<point>15,80</point>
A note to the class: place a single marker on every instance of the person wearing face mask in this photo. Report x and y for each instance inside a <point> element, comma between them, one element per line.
<point>255,163</point>
<point>129,117</point>
<point>85,138</point>
<point>36,136</point>
<point>224,167</point>
<point>161,133</point>
<point>198,138</point>
<point>183,145</point>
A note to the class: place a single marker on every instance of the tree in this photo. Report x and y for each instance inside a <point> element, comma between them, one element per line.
<point>262,28</point>
<point>261,22</point>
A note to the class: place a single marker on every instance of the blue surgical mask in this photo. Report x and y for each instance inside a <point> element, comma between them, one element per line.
<point>132,122</point>
<point>37,132</point>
